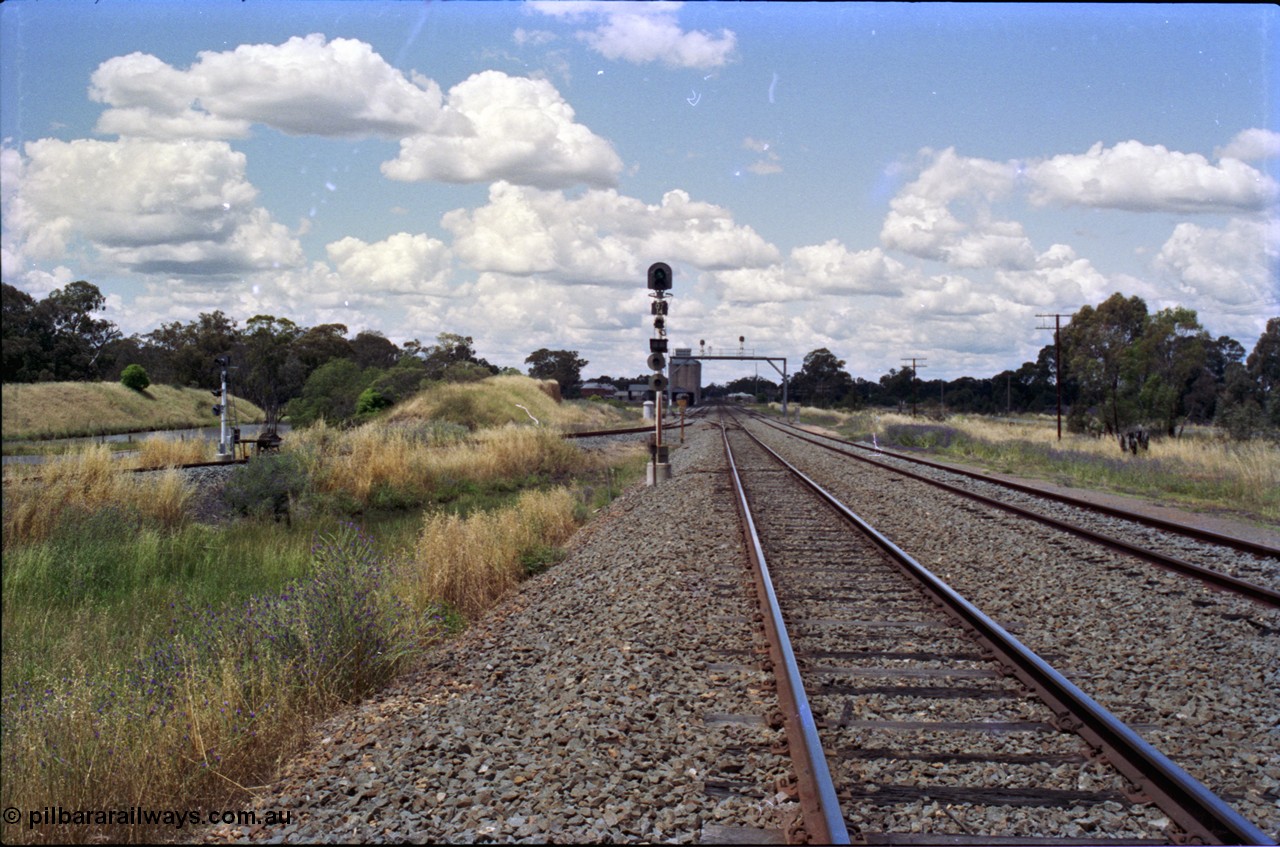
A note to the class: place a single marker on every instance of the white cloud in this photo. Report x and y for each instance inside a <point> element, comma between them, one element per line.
<point>1236,267</point>
<point>1139,177</point>
<point>599,238</point>
<point>400,264</point>
<point>491,127</point>
<point>645,32</point>
<point>1059,279</point>
<point>303,87</point>
<point>831,268</point>
<point>518,129</point>
<point>921,222</point>
<point>1251,145</point>
<point>147,206</point>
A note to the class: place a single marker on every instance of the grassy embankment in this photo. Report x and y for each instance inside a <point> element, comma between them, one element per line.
<point>1201,470</point>
<point>157,662</point>
<point>81,409</point>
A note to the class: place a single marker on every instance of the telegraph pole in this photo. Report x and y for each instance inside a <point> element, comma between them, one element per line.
<point>913,360</point>
<point>1057,360</point>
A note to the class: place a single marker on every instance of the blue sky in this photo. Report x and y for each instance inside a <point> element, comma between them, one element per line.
<point>884,180</point>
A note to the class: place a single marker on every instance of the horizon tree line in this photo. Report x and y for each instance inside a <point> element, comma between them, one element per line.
<point>1122,366</point>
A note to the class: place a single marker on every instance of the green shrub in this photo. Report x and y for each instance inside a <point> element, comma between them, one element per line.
<point>135,377</point>
<point>371,400</point>
<point>265,486</point>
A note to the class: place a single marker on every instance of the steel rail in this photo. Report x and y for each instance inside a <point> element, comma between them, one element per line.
<point>1242,544</point>
<point>1258,593</point>
<point>823,818</point>
<point>191,466</point>
<point>601,432</point>
<point>1199,812</point>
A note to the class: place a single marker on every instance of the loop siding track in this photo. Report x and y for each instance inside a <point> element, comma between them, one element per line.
<point>878,657</point>
<point>1266,564</point>
<point>1242,544</point>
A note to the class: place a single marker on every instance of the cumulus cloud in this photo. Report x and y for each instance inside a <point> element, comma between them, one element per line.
<point>601,237</point>
<point>1251,145</point>
<point>1237,266</point>
<point>491,127</point>
<point>400,264</point>
<point>306,86</point>
<point>1059,279</point>
<point>517,129</point>
<point>641,33</point>
<point>147,206</point>
<point>831,268</point>
<point>921,221</point>
<point>1151,178</point>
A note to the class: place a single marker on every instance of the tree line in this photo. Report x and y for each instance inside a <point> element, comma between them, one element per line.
<point>306,372</point>
<point>1122,366</point>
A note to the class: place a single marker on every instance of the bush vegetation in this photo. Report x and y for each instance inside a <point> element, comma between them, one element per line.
<point>150,656</point>
<point>135,377</point>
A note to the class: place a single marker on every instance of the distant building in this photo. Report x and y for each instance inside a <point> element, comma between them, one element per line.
<point>636,392</point>
<point>740,397</point>
<point>598,389</point>
<point>686,375</point>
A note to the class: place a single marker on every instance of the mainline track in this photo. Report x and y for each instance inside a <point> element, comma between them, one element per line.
<point>899,688</point>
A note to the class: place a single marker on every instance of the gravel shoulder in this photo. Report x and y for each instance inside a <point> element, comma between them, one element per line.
<point>590,706</point>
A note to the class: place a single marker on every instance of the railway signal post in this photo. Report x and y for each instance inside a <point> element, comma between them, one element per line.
<point>659,283</point>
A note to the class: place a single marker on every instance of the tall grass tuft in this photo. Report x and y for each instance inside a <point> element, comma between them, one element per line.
<point>383,462</point>
<point>168,452</point>
<point>469,563</point>
<point>203,710</point>
<point>86,483</point>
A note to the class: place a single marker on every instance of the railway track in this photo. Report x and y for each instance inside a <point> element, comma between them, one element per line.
<point>921,702</point>
<point>1232,564</point>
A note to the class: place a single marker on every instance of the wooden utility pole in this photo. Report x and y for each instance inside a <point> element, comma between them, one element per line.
<point>913,360</point>
<point>1057,360</point>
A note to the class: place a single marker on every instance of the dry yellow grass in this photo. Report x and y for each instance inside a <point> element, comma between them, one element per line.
<point>87,481</point>
<point>165,453</point>
<point>501,400</point>
<point>1255,463</point>
<point>471,562</point>
<point>361,461</point>
<point>57,409</point>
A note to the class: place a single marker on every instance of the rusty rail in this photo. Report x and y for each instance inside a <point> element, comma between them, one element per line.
<point>1244,545</point>
<point>1194,808</point>
<point>1258,593</point>
<point>824,821</point>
